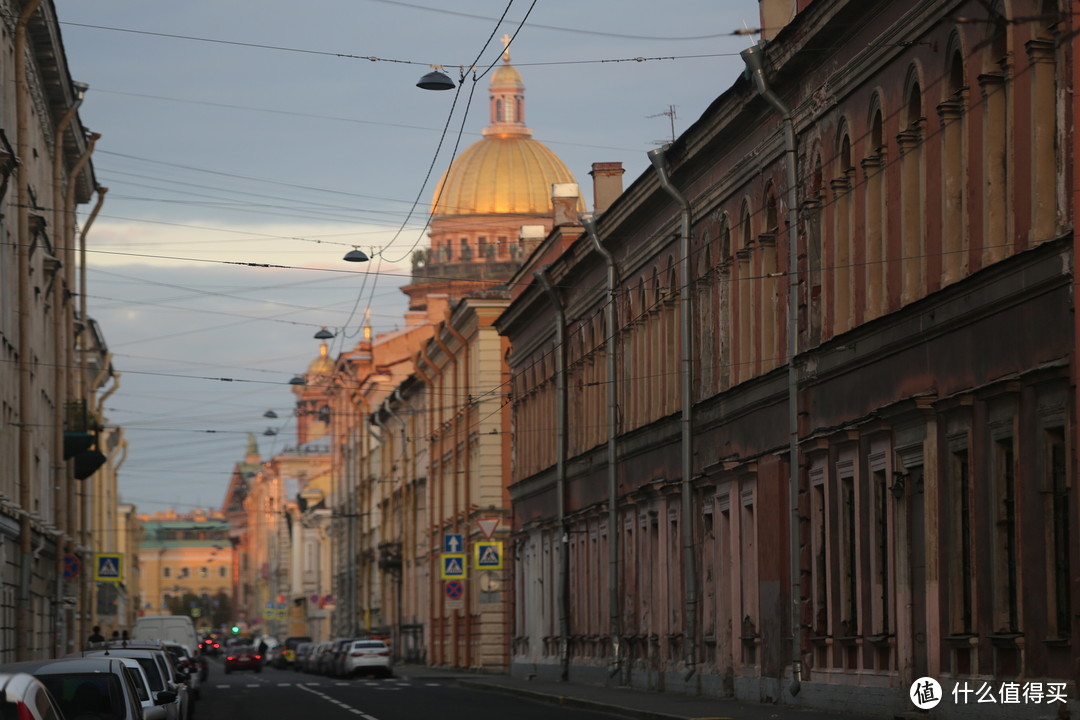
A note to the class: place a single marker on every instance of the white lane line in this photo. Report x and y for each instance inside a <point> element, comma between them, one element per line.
<point>284,684</point>
<point>253,684</point>
<point>339,703</point>
<point>223,686</point>
<point>432,684</point>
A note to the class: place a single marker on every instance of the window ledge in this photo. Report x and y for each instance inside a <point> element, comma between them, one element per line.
<point>962,639</point>
<point>850,639</point>
<point>821,639</point>
<point>1006,640</point>
<point>880,639</point>
<point>1058,642</point>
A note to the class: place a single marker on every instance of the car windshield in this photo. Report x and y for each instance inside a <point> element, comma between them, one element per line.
<point>86,696</point>
<point>369,644</point>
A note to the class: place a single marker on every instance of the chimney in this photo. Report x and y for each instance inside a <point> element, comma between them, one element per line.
<point>607,184</point>
<point>564,201</point>
<point>775,14</point>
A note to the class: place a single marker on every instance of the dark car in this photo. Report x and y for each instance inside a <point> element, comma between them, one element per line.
<point>288,655</point>
<point>243,658</point>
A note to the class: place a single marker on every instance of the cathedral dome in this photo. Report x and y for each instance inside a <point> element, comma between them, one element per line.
<point>321,365</point>
<point>507,172</point>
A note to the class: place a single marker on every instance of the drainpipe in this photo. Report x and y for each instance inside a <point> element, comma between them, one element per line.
<point>560,474</point>
<point>752,56</point>
<point>24,618</point>
<point>659,161</point>
<point>615,618</point>
<point>396,397</point>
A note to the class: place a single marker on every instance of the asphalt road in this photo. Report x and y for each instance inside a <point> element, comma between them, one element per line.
<point>289,695</point>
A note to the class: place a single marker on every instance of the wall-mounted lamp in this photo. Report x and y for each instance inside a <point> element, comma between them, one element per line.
<point>897,489</point>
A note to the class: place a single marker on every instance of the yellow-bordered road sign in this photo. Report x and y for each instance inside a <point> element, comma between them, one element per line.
<point>489,554</point>
<point>108,567</point>
<point>453,566</point>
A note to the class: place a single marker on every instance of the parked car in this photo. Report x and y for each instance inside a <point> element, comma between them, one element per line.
<point>335,663</point>
<point>168,628</point>
<point>154,705</point>
<point>96,686</point>
<point>303,654</point>
<point>23,696</point>
<point>189,664</point>
<point>288,656</point>
<point>243,658</point>
<point>154,662</point>
<point>367,656</point>
<point>176,678</point>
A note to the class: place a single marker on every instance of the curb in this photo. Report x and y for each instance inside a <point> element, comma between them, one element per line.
<point>569,701</point>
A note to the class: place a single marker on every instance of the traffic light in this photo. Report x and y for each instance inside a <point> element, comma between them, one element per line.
<point>235,629</point>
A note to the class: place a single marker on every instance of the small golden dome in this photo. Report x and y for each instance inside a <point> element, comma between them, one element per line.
<point>507,75</point>
<point>321,365</point>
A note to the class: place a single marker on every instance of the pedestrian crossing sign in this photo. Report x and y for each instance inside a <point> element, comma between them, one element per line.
<point>108,567</point>
<point>489,554</point>
<point>453,566</point>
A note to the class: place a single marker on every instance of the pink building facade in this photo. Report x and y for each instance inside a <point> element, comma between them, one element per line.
<point>930,375</point>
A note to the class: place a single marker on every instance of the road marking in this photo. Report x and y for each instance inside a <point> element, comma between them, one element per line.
<point>253,684</point>
<point>432,684</point>
<point>341,684</point>
<point>326,697</point>
<point>223,686</point>
<point>284,684</point>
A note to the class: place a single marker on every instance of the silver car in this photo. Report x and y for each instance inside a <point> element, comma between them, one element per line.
<point>95,686</point>
<point>161,673</point>
<point>23,696</point>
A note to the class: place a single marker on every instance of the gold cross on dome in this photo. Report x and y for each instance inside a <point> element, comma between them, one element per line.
<point>506,46</point>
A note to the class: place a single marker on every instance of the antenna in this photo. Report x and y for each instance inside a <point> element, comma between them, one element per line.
<point>670,114</point>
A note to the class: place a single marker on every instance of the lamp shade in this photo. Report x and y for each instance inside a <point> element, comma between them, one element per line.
<point>356,255</point>
<point>436,80</point>
<point>324,334</point>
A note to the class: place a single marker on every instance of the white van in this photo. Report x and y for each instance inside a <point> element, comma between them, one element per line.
<point>171,628</point>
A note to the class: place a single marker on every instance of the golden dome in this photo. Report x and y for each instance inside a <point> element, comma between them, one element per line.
<point>321,365</point>
<point>507,75</point>
<point>501,174</point>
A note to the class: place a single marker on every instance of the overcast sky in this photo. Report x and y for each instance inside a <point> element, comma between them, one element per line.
<point>280,133</point>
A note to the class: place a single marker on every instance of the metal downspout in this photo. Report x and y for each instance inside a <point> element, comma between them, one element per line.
<point>752,56</point>
<point>402,500</point>
<point>614,614</point>
<point>560,474</point>
<point>686,525</point>
<point>455,393</point>
<point>23,618</point>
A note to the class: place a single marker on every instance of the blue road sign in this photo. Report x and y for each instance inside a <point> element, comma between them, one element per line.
<point>453,543</point>
<point>453,566</point>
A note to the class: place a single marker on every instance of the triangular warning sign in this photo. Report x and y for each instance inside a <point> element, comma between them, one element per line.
<point>108,568</point>
<point>453,566</point>
<point>487,526</point>
<point>489,556</point>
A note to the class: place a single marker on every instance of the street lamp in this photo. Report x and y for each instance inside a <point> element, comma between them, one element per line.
<point>356,255</point>
<point>436,80</point>
<point>324,334</point>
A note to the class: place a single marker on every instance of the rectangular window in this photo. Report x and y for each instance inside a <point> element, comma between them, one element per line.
<point>849,559</point>
<point>1058,485</point>
<point>959,548</point>
<point>819,554</point>
<point>882,566</point>
<point>166,572</point>
<point>1006,618</point>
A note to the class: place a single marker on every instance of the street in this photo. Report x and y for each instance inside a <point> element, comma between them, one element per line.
<point>287,695</point>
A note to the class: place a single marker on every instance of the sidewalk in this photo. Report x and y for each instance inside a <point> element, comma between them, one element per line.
<point>634,704</point>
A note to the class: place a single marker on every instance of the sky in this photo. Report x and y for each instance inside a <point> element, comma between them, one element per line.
<point>247,146</point>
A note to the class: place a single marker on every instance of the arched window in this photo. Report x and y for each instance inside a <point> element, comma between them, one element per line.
<point>910,137</point>
<point>840,257</point>
<point>744,351</point>
<point>873,165</point>
<point>995,90</point>
<point>954,244</point>
<point>1042,57</point>
<point>768,284</point>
